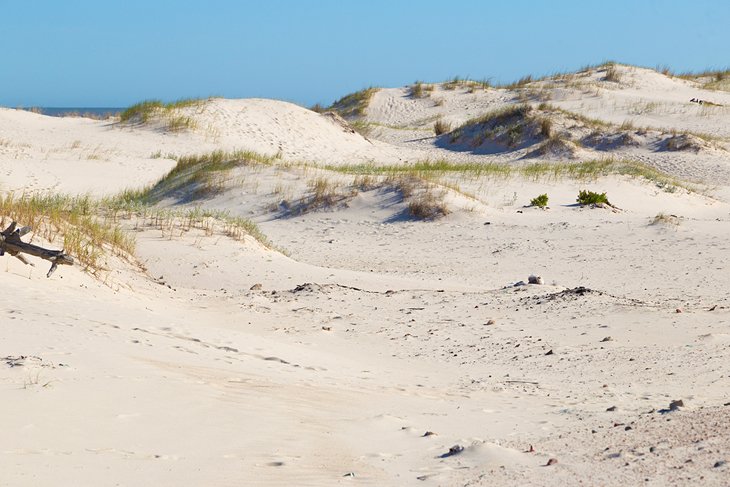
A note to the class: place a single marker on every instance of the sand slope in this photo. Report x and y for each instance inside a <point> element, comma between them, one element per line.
<point>381,350</point>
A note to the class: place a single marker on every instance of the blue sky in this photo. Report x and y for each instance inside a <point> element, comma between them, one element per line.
<point>115,53</point>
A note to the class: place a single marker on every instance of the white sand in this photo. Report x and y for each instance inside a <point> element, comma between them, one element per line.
<point>376,328</point>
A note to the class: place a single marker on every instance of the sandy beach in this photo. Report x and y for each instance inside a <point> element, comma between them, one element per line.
<point>344,298</point>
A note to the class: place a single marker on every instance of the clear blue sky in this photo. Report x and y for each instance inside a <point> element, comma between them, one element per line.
<point>115,53</point>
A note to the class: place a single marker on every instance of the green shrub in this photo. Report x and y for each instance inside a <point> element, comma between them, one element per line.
<point>590,198</point>
<point>540,201</point>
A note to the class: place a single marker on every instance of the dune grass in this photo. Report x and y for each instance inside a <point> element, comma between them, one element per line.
<point>193,177</point>
<point>537,171</point>
<point>76,220</point>
<point>354,104</point>
<point>174,222</point>
<point>417,90</point>
<point>711,79</point>
<point>507,121</point>
<point>90,229</point>
<point>144,111</point>
<point>612,73</point>
<point>441,127</point>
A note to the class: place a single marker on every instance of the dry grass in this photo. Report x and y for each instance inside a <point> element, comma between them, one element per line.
<point>78,222</point>
<point>417,90</point>
<point>612,73</point>
<point>441,127</point>
<point>365,183</point>
<point>428,205</point>
<point>89,229</point>
<point>546,127</point>
<point>324,194</point>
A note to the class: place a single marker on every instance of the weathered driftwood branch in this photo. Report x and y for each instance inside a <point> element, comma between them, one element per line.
<point>10,242</point>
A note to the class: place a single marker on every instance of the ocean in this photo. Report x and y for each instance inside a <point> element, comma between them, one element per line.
<point>91,112</point>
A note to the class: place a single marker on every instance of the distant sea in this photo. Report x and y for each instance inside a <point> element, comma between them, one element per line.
<point>93,112</point>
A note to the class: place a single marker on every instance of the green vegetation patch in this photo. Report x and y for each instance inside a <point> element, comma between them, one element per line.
<point>354,104</point>
<point>86,233</point>
<point>143,111</point>
<point>540,201</point>
<point>586,197</point>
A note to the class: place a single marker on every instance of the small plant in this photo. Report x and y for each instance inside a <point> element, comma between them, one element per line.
<point>441,127</point>
<point>417,90</point>
<point>590,198</point>
<point>539,201</point>
<point>612,73</point>
<point>428,205</point>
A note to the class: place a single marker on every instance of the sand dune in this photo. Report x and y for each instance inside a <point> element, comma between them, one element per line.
<point>360,343</point>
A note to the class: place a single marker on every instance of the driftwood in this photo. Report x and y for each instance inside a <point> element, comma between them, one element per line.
<point>10,242</point>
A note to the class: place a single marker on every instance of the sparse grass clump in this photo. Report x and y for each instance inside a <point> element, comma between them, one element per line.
<point>441,127</point>
<point>324,193</point>
<point>586,197</point>
<point>612,73</point>
<point>540,201</point>
<point>428,205</point>
<point>417,90</point>
<point>354,104</point>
